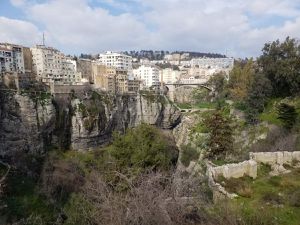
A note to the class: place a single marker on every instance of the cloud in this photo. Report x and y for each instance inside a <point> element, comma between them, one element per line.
<point>84,28</point>
<point>18,3</point>
<point>236,27</point>
<point>18,32</point>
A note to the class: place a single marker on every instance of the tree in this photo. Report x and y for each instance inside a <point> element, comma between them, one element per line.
<point>258,95</point>
<point>280,62</point>
<point>218,81</point>
<point>287,114</point>
<point>220,140</point>
<point>240,80</point>
<point>142,147</point>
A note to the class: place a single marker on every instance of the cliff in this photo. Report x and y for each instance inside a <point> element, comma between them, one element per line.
<point>31,123</point>
<point>95,119</point>
<point>25,123</point>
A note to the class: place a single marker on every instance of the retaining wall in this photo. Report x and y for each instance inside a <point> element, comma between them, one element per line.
<point>275,158</point>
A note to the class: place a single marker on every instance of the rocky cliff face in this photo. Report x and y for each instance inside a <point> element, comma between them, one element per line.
<point>25,123</point>
<point>29,124</point>
<point>95,119</point>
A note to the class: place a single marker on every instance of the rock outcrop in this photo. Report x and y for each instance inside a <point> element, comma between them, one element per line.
<point>25,124</point>
<point>94,120</point>
<point>31,122</point>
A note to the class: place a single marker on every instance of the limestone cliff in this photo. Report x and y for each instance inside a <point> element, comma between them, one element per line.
<point>25,123</point>
<point>96,118</point>
<point>29,123</point>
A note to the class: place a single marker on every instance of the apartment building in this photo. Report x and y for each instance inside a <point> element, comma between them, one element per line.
<point>121,81</point>
<point>84,66</point>
<point>104,77</point>
<point>11,58</point>
<point>133,85</point>
<point>52,66</point>
<point>169,75</point>
<point>149,75</point>
<point>116,60</point>
<point>223,63</point>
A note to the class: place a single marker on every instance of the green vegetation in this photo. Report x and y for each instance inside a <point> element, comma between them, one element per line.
<point>23,200</point>
<point>287,114</point>
<point>270,113</point>
<point>188,154</point>
<point>184,105</point>
<point>220,141</point>
<point>278,196</point>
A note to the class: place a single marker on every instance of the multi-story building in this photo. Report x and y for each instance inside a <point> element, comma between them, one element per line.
<point>52,66</point>
<point>11,58</point>
<point>104,77</point>
<point>223,63</point>
<point>133,85</point>
<point>121,81</point>
<point>69,71</point>
<point>84,66</point>
<point>149,75</point>
<point>169,75</point>
<point>116,60</point>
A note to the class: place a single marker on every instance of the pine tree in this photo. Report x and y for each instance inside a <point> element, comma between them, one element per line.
<point>220,140</point>
<point>287,114</point>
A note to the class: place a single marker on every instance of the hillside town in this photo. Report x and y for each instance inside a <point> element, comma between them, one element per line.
<point>112,72</point>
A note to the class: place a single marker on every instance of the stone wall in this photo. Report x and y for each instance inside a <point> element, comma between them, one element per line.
<point>273,158</point>
<point>276,160</point>
<point>236,170</point>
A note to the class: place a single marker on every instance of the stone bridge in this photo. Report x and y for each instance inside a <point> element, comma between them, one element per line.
<point>172,87</point>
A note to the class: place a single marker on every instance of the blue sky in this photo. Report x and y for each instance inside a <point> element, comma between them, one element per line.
<point>236,27</point>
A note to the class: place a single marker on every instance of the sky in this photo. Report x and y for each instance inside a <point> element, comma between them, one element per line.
<point>237,28</point>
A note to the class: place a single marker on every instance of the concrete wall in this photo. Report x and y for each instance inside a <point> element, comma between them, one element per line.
<point>65,89</point>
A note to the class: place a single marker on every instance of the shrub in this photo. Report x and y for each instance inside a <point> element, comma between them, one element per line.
<point>275,180</point>
<point>287,114</point>
<point>273,198</point>
<point>294,199</point>
<point>143,147</point>
<point>188,154</point>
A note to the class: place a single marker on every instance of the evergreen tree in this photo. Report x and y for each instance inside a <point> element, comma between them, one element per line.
<point>257,97</point>
<point>287,114</point>
<point>220,140</point>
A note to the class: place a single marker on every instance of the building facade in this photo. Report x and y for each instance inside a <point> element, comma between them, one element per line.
<point>149,75</point>
<point>84,66</point>
<point>11,58</point>
<point>52,66</point>
<point>224,63</point>
<point>169,75</point>
<point>116,60</point>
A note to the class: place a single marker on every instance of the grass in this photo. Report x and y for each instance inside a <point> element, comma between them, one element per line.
<point>205,105</point>
<point>184,105</point>
<point>270,113</point>
<point>278,196</point>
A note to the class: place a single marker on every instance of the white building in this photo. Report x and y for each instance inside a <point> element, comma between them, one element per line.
<point>11,58</point>
<point>169,75</point>
<point>149,75</point>
<point>52,66</point>
<point>224,63</point>
<point>116,60</point>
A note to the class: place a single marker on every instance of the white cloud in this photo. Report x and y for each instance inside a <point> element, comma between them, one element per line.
<point>18,31</point>
<point>18,3</point>
<point>197,25</point>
